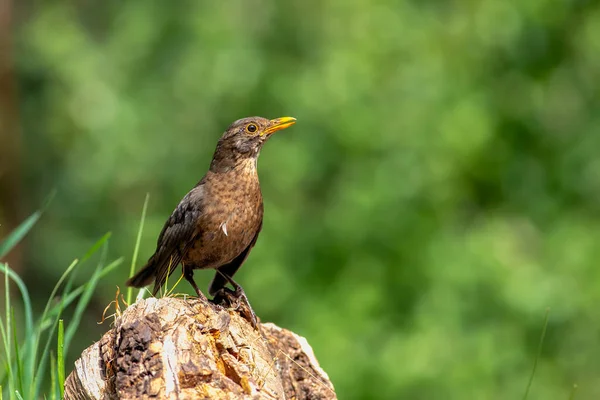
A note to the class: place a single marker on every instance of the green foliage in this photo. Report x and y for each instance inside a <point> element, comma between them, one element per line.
<point>24,368</point>
<point>15,237</point>
<point>438,193</point>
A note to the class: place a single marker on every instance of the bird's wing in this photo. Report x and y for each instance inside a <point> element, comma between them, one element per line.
<point>177,236</point>
<point>231,268</point>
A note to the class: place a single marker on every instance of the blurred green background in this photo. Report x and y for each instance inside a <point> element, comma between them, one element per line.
<point>440,190</point>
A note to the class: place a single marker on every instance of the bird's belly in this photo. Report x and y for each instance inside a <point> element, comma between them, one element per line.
<point>224,237</point>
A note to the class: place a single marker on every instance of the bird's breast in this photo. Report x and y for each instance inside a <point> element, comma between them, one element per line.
<point>231,217</point>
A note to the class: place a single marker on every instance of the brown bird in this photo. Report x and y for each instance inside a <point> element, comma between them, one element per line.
<point>217,223</point>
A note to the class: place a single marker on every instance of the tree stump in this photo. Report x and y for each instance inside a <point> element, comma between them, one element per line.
<point>173,348</point>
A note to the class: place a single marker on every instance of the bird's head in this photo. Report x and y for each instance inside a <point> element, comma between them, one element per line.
<point>244,138</point>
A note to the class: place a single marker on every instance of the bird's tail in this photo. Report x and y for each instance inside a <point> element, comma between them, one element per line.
<point>144,277</point>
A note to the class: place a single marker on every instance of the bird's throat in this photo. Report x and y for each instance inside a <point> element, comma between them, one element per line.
<point>233,161</point>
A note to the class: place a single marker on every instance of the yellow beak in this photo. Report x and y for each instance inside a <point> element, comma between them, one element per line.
<point>278,124</point>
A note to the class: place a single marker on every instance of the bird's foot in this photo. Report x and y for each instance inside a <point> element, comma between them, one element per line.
<point>237,300</point>
<point>244,307</point>
<point>224,297</point>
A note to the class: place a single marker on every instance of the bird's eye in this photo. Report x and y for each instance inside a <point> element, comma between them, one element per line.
<point>251,128</point>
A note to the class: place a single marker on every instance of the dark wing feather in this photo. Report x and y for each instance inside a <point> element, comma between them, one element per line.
<point>175,239</point>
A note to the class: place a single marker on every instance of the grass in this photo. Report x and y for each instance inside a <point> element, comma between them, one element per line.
<point>537,358</point>
<point>32,368</point>
<point>137,246</point>
<point>61,357</point>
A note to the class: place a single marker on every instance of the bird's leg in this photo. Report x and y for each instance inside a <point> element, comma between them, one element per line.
<point>242,300</point>
<point>188,274</point>
<point>224,297</point>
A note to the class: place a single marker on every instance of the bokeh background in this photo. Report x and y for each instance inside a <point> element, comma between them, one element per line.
<point>440,190</point>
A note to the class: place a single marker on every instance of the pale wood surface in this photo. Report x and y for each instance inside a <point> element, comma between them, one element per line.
<point>175,348</point>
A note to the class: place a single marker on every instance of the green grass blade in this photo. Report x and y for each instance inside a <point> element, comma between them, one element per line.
<point>18,233</point>
<point>3,354</point>
<point>7,361</point>
<point>52,320</point>
<point>60,358</point>
<point>46,321</point>
<point>29,339</point>
<point>22,368</point>
<point>61,305</point>
<point>137,246</point>
<point>18,360</point>
<point>24,294</point>
<point>52,376</point>
<point>6,336</point>
<point>84,300</point>
<point>41,363</point>
<point>37,380</point>
<point>538,355</point>
<point>54,291</point>
<point>91,251</point>
<point>5,246</point>
<point>70,297</point>
<point>96,246</point>
<point>19,397</point>
<point>7,311</point>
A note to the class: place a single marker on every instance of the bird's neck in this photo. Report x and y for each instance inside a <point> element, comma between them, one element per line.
<point>230,165</point>
<point>234,153</point>
<point>233,161</point>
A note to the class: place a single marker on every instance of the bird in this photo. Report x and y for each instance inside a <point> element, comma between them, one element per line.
<point>217,223</point>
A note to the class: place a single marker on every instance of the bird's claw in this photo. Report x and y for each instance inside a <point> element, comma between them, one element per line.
<point>237,300</point>
<point>224,297</point>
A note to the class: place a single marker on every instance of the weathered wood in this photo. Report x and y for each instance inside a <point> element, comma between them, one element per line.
<point>173,348</point>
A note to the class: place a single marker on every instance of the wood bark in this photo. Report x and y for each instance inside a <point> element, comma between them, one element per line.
<point>173,348</point>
